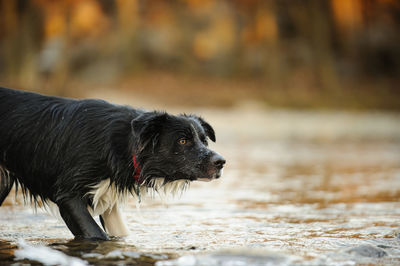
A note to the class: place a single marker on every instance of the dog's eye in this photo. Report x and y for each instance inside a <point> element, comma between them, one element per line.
<point>182,141</point>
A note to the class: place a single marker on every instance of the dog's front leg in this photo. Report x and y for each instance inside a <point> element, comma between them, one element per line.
<point>78,219</point>
<point>113,222</point>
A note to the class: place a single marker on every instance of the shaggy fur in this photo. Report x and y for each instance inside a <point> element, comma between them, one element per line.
<point>87,155</point>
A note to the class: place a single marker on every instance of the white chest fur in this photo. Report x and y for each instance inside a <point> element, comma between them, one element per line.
<point>106,202</point>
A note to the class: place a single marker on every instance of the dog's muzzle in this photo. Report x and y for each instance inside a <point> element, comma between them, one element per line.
<point>217,163</point>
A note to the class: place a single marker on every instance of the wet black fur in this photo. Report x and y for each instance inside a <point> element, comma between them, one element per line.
<point>57,149</point>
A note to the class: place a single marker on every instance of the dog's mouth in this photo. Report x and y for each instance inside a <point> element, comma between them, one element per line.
<point>204,176</point>
<point>204,179</point>
<point>214,175</point>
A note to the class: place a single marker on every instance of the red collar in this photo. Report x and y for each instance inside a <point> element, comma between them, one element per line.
<point>137,169</point>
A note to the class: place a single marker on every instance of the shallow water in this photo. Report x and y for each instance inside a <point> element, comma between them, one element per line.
<point>299,188</point>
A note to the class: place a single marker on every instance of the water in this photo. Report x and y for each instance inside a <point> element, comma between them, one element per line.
<point>299,188</point>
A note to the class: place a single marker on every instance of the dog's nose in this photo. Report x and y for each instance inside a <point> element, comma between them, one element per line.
<point>218,161</point>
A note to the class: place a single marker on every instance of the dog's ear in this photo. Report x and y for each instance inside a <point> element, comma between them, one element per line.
<point>146,129</point>
<point>207,128</point>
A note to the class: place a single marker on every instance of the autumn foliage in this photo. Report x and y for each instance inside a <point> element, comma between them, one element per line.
<point>294,49</point>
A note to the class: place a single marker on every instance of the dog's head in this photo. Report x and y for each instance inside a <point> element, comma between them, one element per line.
<point>171,148</point>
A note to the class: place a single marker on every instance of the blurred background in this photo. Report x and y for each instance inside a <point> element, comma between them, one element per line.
<point>304,97</point>
<point>301,54</point>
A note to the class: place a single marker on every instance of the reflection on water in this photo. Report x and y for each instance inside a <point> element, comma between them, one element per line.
<point>299,188</point>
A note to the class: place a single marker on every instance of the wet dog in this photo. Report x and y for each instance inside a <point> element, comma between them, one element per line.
<point>87,155</point>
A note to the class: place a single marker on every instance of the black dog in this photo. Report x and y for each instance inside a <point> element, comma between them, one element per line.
<point>87,155</point>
